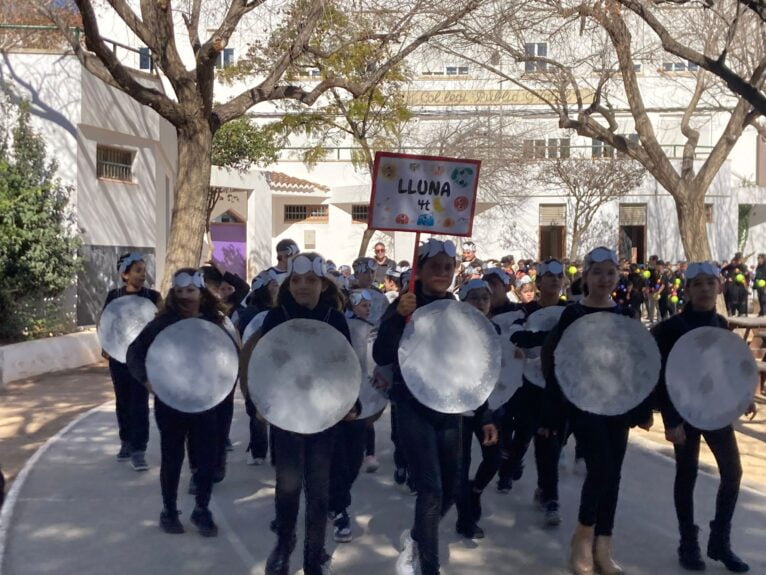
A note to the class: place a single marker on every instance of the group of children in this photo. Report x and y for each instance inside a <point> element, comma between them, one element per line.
<point>432,449</point>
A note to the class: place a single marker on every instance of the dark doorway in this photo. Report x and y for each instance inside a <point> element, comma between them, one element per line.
<point>633,243</point>
<point>552,242</point>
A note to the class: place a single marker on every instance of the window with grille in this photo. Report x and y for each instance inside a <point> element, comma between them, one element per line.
<point>601,150</point>
<point>225,58</point>
<point>550,148</point>
<point>359,213</point>
<point>114,164</point>
<point>679,67</point>
<point>553,214</point>
<point>305,213</point>
<point>539,50</point>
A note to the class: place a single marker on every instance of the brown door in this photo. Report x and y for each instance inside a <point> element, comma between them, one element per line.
<point>552,242</point>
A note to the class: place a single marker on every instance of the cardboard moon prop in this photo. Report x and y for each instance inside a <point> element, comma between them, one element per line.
<point>544,319</point>
<point>304,376</point>
<point>362,337</point>
<point>511,367</point>
<point>379,305</point>
<point>450,356</point>
<point>254,325</point>
<point>607,363</point>
<point>192,365</point>
<point>711,377</point>
<point>121,322</point>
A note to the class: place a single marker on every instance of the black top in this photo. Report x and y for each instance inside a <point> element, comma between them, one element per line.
<point>531,339</point>
<point>667,334</point>
<point>556,406</point>
<point>290,309</point>
<point>246,315</point>
<point>150,294</point>
<point>507,307</point>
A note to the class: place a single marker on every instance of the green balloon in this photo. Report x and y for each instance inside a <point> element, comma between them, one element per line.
<point>761,283</point>
<point>678,281</point>
<point>647,274</point>
<point>674,299</point>
<point>739,278</point>
<point>571,270</point>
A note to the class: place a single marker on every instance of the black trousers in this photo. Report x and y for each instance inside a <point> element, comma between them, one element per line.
<point>132,400</point>
<point>369,446</point>
<point>347,459</point>
<point>399,459</point>
<point>490,462</point>
<point>431,443</point>
<point>259,432</point>
<point>761,301</point>
<point>225,417</point>
<point>664,306</point>
<point>518,426</point>
<point>603,441</point>
<point>304,460</point>
<point>176,428</point>
<point>547,453</point>
<point>723,444</point>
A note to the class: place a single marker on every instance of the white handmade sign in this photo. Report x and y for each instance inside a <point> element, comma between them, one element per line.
<point>423,194</point>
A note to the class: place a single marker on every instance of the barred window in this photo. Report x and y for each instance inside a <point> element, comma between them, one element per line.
<point>114,164</point>
<point>359,213</point>
<point>305,213</point>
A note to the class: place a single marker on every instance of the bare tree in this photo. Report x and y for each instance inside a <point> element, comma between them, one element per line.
<point>589,79</point>
<point>743,78</point>
<point>402,27</point>
<point>589,185</point>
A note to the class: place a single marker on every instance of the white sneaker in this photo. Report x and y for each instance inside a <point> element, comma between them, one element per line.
<point>406,564</point>
<point>371,464</point>
<point>255,460</point>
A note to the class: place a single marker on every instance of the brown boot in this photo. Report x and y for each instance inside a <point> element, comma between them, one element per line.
<point>581,559</point>
<point>602,557</point>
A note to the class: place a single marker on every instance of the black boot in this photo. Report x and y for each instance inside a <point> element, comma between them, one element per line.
<point>719,548</point>
<point>689,553</point>
<point>278,562</point>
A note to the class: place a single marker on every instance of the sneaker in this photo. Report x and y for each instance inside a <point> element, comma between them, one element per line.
<point>469,531</point>
<point>256,460</point>
<point>228,446</point>
<point>342,528</point>
<point>552,515</point>
<point>138,461</point>
<point>125,451</point>
<point>203,520</point>
<point>504,485</point>
<point>371,464</point>
<point>170,523</point>
<point>400,476</point>
<point>407,562</point>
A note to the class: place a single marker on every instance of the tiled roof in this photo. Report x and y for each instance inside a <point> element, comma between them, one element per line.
<point>279,182</point>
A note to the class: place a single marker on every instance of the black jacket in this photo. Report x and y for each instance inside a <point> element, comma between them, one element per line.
<point>150,294</point>
<point>667,334</point>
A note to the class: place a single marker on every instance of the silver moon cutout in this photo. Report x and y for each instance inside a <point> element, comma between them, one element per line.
<point>711,377</point>
<point>254,325</point>
<point>121,322</point>
<point>544,319</point>
<point>362,338</point>
<point>304,376</point>
<point>607,363</point>
<point>450,356</point>
<point>192,365</point>
<point>511,367</point>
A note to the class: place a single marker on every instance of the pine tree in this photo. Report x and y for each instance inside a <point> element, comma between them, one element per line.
<point>38,239</point>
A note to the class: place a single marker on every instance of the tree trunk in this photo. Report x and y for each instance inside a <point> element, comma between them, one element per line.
<point>692,224</point>
<point>188,222</point>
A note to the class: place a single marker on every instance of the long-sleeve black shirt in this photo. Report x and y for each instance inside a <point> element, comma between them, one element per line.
<point>667,334</point>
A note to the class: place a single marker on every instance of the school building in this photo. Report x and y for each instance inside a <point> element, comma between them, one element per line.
<point>121,159</point>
